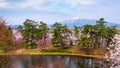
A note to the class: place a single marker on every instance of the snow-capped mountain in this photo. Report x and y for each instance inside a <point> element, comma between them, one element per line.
<point>75,22</point>
<point>82,22</point>
<point>14,26</point>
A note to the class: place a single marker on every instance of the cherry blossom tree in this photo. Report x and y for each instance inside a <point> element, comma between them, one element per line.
<point>5,36</point>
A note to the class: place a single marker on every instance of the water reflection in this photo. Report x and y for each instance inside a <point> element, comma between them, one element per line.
<point>51,62</point>
<point>5,61</point>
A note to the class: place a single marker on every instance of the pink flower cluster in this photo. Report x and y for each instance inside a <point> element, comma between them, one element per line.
<point>41,43</point>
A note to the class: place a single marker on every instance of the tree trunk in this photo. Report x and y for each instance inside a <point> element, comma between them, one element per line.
<point>26,46</point>
<point>107,44</point>
<point>103,41</point>
<point>71,43</point>
<point>63,46</point>
<point>32,46</point>
<point>44,40</point>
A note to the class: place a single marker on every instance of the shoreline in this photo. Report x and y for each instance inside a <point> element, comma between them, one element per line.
<point>64,54</point>
<point>54,53</point>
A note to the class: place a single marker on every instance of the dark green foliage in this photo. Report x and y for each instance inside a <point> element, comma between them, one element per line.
<point>43,30</point>
<point>29,32</point>
<point>84,41</point>
<point>110,33</point>
<point>32,31</point>
<point>60,34</point>
<point>97,35</point>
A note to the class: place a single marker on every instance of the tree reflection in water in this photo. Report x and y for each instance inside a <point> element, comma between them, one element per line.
<point>5,61</point>
<point>44,61</point>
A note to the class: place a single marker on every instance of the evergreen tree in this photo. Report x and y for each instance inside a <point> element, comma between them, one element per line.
<point>97,35</point>
<point>60,35</point>
<point>110,33</point>
<point>43,31</point>
<point>101,25</point>
<point>29,30</point>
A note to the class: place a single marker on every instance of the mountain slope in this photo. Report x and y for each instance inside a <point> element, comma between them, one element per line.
<point>82,22</point>
<point>75,22</point>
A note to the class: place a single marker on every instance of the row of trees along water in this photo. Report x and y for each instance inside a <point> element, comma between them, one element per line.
<point>88,36</point>
<point>98,35</point>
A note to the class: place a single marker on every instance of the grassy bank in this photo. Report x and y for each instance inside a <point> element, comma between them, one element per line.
<point>74,51</point>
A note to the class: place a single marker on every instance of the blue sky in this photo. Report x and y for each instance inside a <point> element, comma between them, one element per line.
<point>50,11</point>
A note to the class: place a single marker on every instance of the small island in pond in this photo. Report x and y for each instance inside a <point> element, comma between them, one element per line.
<point>36,38</point>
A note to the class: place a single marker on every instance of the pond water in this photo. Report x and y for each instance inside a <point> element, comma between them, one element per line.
<point>48,61</point>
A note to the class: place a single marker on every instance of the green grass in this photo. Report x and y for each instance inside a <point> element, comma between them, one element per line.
<point>54,53</point>
<point>59,51</point>
<point>2,52</point>
<point>29,47</point>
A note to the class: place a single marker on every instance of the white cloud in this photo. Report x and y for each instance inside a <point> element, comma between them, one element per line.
<point>2,0</point>
<point>39,5</point>
<point>80,2</point>
<point>27,3</point>
<point>3,3</point>
<point>81,8</point>
<point>42,4</point>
